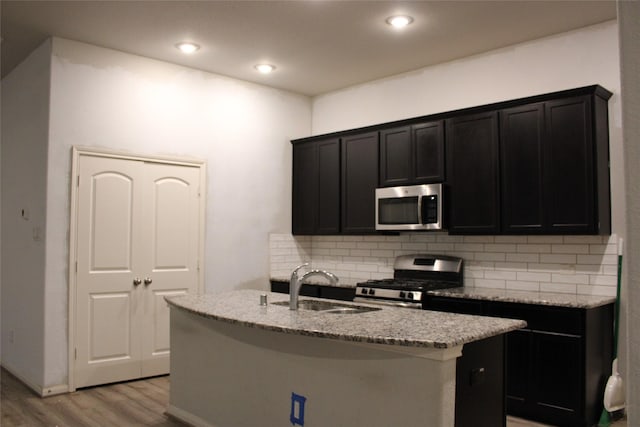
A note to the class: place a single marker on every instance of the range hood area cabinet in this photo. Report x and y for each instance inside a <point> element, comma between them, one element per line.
<point>536,165</point>
<point>412,154</point>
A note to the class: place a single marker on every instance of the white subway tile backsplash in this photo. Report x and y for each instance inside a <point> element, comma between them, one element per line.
<point>491,256</point>
<point>563,288</point>
<point>523,257</point>
<point>533,277</point>
<point>567,264</point>
<point>558,258</point>
<point>545,239</point>
<point>533,248</point>
<point>578,279</point>
<point>570,249</point>
<point>521,285</point>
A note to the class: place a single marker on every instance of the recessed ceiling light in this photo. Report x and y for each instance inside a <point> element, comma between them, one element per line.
<point>187,47</point>
<point>399,21</point>
<point>265,68</point>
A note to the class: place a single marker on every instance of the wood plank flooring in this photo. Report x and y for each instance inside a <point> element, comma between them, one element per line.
<point>133,403</point>
<point>127,404</point>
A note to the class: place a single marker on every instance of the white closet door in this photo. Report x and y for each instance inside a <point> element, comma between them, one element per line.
<point>138,231</point>
<point>171,231</point>
<point>107,306</point>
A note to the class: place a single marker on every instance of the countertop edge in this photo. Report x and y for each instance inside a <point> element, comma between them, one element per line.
<point>506,325</point>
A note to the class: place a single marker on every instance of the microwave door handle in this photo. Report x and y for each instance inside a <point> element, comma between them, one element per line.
<point>420,213</point>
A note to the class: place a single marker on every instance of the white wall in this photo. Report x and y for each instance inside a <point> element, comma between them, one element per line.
<point>109,99</point>
<point>629,15</point>
<point>578,58</point>
<point>25,118</point>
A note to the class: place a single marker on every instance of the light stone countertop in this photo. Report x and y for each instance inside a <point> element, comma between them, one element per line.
<point>527,297</point>
<point>390,325</point>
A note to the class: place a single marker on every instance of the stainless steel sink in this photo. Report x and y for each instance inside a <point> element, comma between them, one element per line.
<point>328,306</point>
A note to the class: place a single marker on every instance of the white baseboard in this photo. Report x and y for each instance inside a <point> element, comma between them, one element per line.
<point>40,391</point>
<point>188,417</point>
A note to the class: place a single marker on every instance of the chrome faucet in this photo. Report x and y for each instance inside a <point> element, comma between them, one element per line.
<point>295,283</point>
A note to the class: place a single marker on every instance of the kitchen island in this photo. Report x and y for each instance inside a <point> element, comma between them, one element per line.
<point>237,363</point>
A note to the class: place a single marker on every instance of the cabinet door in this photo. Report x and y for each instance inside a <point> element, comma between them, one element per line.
<point>359,182</point>
<point>568,166</point>
<point>316,187</point>
<point>558,380</point>
<point>396,157</point>
<point>428,139</point>
<point>521,148</point>
<point>472,173</point>
<point>305,188</point>
<point>328,202</point>
<point>518,370</point>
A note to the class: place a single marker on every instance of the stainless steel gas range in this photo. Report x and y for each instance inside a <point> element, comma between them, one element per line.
<point>413,276</point>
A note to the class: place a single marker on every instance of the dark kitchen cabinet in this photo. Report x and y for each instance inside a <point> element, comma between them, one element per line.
<point>318,291</point>
<point>536,165</point>
<point>412,154</point>
<point>359,182</point>
<point>555,167</point>
<point>558,365</point>
<point>316,187</point>
<point>522,134</point>
<point>472,174</point>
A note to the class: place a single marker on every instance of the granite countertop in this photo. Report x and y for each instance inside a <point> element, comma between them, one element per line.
<point>390,325</point>
<point>527,297</point>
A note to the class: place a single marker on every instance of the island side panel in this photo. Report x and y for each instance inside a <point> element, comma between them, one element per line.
<point>228,375</point>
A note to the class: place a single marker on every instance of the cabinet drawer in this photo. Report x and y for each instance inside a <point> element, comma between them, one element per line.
<point>541,318</point>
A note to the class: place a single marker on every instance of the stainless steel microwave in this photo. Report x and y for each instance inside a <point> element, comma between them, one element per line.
<point>410,208</point>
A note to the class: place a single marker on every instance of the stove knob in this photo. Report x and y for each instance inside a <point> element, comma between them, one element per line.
<point>363,291</point>
<point>410,295</point>
<point>401,294</point>
<point>372,292</point>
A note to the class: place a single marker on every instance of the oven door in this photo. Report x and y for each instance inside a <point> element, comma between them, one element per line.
<point>415,207</point>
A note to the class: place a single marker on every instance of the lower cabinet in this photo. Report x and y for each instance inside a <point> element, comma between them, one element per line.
<point>480,384</point>
<point>317,291</point>
<point>557,367</point>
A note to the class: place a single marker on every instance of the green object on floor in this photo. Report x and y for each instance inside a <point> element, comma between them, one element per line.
<point>605,420</point>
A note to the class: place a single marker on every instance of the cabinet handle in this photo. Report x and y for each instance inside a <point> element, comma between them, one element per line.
<point>137,281</point>
<point>147,281</point>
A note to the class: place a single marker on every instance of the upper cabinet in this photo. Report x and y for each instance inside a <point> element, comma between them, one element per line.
<point>537,165</point>
<point>472,168</point>
<point>412,154</point>
<point>555,168</point>
<point>359,182</point>
<point>316,187</point>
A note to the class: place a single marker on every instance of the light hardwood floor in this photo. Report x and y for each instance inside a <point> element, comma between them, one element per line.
<point>133,403</point>
<point>127,404</point>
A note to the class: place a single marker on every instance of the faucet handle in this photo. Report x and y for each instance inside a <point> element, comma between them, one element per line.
<point>294,274</point>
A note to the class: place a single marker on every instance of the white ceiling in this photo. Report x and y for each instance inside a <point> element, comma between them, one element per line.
<point>317,46</point>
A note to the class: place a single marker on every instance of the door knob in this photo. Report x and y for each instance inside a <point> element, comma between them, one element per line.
<point>137,281</point>
<point>147,281</point>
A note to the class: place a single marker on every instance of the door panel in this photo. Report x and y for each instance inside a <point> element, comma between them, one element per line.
<point>171,230</point>
<point>110,312</point>
<point>105,293</point>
